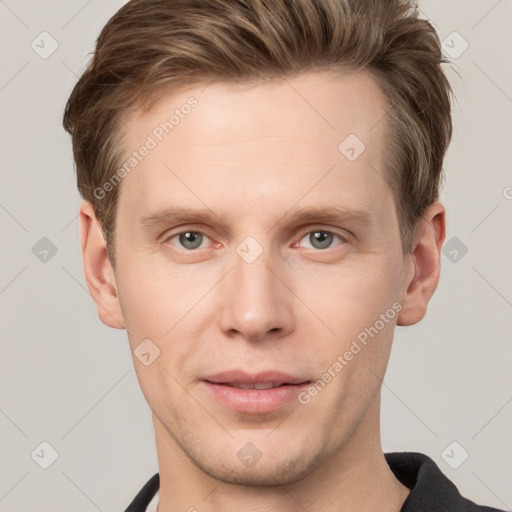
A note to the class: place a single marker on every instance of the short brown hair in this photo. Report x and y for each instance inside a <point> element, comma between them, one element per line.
<point>152,46</point>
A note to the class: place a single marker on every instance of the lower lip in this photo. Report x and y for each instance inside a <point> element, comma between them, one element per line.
<point>255,401</point>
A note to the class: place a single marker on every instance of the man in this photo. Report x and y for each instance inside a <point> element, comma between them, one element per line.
<point>260,184</point>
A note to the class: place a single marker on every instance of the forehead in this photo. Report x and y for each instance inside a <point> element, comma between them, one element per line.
<point>318,135</point>
<point>331,102</point>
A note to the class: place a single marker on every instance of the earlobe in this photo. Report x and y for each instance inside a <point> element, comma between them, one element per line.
<point>98,270</point>
<point>425,265</point>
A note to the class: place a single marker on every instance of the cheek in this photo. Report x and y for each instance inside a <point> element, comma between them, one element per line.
<point>159,302</point>
<point>147,300</point>
<point>356,313</point>
<point>350,297</point>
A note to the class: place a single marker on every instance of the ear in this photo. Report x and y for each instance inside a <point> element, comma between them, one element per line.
<point>98,270</point>
<point>425,265</point>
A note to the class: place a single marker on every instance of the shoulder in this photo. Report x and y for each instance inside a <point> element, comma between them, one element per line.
<point>145,495</point>
<point>431,490</point>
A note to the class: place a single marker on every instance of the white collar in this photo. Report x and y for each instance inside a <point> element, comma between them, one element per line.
<point>153,504</point>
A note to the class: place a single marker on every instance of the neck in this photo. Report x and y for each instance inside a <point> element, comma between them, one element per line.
<point>355,477</point>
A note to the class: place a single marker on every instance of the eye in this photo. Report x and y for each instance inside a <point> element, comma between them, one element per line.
<point>189,240</point>
<point>320,239</point>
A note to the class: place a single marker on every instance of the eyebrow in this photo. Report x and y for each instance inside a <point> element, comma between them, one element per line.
<point>180,214</point>
<point>331,214</point>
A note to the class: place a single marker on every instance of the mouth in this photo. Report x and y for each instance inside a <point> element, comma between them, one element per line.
<point>259,393</point>
<point>256,385</point>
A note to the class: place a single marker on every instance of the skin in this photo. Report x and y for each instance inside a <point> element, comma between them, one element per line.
<point>251,155</point>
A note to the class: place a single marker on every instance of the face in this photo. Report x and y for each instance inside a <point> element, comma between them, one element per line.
<point>259,237</point>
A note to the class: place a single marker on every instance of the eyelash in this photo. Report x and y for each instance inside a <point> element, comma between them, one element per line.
<point>309,232</point>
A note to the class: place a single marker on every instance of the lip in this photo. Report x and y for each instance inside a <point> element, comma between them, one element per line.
<point>254,401</point>
<point>231,376</point>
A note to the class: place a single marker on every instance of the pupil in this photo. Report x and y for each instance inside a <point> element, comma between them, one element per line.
<point>321,239</point>
<point>190,240</point>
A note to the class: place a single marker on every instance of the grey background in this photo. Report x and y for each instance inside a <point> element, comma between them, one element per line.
<point>68,380</point>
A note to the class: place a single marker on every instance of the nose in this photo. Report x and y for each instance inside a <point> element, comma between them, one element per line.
<point>256,304</point>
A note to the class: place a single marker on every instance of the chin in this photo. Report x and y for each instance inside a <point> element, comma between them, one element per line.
<point>264,473</point>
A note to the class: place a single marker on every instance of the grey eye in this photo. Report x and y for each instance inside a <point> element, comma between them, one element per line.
<point>319,239</point>
<point>190,239</point>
